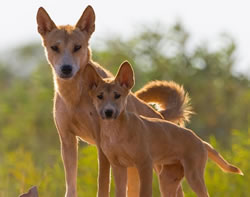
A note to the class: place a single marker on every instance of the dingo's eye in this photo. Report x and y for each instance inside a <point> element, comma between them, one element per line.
<point>77,48</point>
<point>117,95</point>
<point>55,48</point>
<point>100,96</point>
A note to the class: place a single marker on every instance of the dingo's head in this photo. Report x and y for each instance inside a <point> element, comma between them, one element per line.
<point>109,95</point>
<point>66,46</point>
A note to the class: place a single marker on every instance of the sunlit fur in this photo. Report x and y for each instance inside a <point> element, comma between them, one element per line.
<point>153,92</point>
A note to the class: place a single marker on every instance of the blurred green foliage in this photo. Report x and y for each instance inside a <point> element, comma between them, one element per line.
<point>30,149</point>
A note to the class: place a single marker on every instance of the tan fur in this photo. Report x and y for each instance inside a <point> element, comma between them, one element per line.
<point>221,162</point>
<point>175,105</point>
<point>74,114</point>
<point>128,139</point>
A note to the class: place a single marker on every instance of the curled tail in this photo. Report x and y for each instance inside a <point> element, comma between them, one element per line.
<point>171,97</point>
<point>220,161</point>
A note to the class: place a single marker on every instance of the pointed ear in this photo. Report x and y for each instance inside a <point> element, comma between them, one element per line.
<point>125,75</point>
<point>44,22</point>
<point>91,77</point>
<point>87,21</point>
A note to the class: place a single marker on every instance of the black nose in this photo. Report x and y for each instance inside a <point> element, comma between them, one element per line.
<point>66,69</point>
<point>108,113</point>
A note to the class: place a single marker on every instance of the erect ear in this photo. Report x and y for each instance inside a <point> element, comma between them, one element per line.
<point>87,21</point>
<point>125,75</point>
<point>44,22</point>
<point>91,77</point>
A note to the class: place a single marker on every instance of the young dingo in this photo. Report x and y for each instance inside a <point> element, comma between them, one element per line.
<point>128,139</point>
<point>75,117</point>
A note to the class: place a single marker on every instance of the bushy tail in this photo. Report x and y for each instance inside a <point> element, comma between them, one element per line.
<point>171,97</point>
<point>220,161</point>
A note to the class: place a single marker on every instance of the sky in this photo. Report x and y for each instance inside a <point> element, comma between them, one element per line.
<point>205,20</point>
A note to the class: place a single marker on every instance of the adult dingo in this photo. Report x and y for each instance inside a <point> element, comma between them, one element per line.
<point>75,117</point>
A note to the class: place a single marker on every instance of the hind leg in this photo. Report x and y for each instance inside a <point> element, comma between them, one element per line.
<point>194,173</point>
<point>170,179</point>
<point>197,183</point>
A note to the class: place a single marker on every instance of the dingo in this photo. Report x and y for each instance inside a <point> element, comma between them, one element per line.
<point>75,117</point>
<point>129,139</point>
